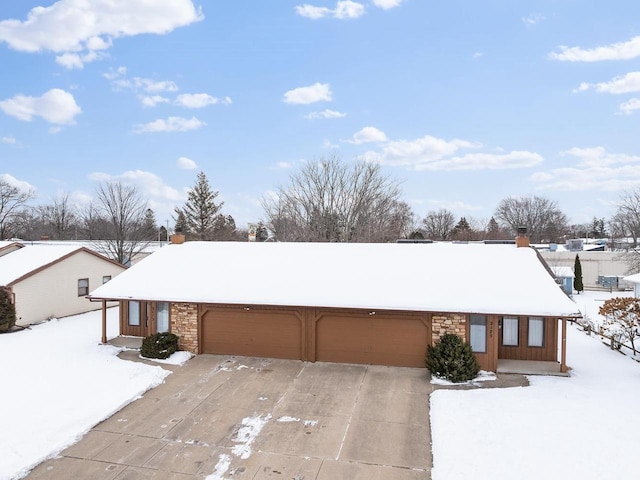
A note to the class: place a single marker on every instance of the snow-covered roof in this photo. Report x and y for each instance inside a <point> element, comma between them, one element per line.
<point>560,271</point>
<point>29,258</point>
<point>635,278</point>
<point>9,243</point>
<point>500,279</point>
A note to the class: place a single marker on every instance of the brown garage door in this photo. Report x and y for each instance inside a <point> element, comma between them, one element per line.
<point>381,339</point>
<point>257,332</point>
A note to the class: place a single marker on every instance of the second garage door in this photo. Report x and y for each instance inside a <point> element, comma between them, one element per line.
<point>379,339</point>
<point>258,332</point>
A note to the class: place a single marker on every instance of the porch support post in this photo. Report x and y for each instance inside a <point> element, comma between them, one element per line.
<point>104,321</point>
<point>563,361</point>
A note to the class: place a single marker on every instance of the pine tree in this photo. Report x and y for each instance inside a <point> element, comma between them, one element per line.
<point>149,225</point>
<point>577,271</point>
<point>181,222</point>
<point>462,230</point>
<point>201,210</point>
<point>7,311</point>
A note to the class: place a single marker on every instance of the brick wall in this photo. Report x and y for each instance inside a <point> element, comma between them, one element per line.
<point>442,323</point>
<point>184,323</point>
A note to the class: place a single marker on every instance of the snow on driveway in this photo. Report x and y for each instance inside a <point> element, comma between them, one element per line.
<point>57,383</point>
<point>585,426</point>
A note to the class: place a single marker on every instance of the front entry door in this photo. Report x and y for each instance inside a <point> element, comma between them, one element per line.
<point>135,318</point>
<point>483,336</point>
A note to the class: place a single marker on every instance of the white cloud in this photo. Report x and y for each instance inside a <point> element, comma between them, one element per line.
<point>324,115</point>
<point>150,185</point>
<point>627,83</point>
<point>152,100</point>
<point>170,124</point>
<point>478,55</point>
<point>310,11</point>
<point>326,143</point>
<point>186,163</point>
<point>199,100</point>
<point>282,165</point>
<point>436,154</point>
<point>630,106</point>
<point>594,169</point>
<point>55,106</point>
<point>119,81</point>
<point>78,30</point>
<point>616,51</point>
<point>387,4</point>
<point>345,9</point>
<point>14,182</point>
<point>533,19</point>
<point>368,135</point>
<point>8,140</point>
<point>318,92</point>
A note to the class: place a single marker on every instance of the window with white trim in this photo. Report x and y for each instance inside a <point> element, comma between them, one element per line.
<point>536,332</point>
<point>510,331</point>
<point>478,333</point>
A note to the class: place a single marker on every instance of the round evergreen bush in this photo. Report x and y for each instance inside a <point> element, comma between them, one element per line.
<point>7,311</point>
<point>159,345</point>
<point>452,359</point>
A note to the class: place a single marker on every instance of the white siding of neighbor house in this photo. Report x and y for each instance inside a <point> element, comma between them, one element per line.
<point>53,292</point>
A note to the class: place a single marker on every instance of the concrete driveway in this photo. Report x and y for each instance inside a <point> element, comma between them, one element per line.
<point>221,417</point>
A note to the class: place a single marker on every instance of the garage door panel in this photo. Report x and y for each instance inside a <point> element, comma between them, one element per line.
<point>255,332</point>
<point>399,340</point>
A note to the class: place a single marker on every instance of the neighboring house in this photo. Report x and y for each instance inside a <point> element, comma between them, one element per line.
<point>8,246</point>
<point>564,277</point>
<point>354,303</point>
<point>594,264</point>
<point>53,280</point>
<point>144,249</point>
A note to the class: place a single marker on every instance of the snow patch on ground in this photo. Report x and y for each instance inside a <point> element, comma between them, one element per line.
<point>310,423</point>
<point>60,382</point>
<point>581,427</point>
<point>286,419</point>
<point>247,433</point>
<point>178,358</point>
<point>483,376</point>
<point>224,462</point>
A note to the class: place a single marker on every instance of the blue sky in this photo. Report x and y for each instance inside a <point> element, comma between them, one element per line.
<point>465,102</point>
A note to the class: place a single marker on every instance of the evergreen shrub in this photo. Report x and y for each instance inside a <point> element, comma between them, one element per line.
<point>452,359</point>
<point>7,311</point>
<point>159,345</point>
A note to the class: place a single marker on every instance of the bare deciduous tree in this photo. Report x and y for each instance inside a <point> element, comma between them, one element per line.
<point>330,201</point>
<point>60,218</point>
<point>124,211</point>
<point>12,199</point>
<point>627,216</point>
<point>544,221</point>
<point>438,225</point>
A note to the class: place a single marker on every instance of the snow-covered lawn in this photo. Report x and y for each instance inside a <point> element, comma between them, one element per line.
<point>585,426</point>
<point>57,383</point>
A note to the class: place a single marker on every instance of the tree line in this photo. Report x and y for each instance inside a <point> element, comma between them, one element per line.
<point>326,200</point>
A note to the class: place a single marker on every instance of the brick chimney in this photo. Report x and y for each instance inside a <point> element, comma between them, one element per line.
<point>176,239</point>
<point>522,239</point>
